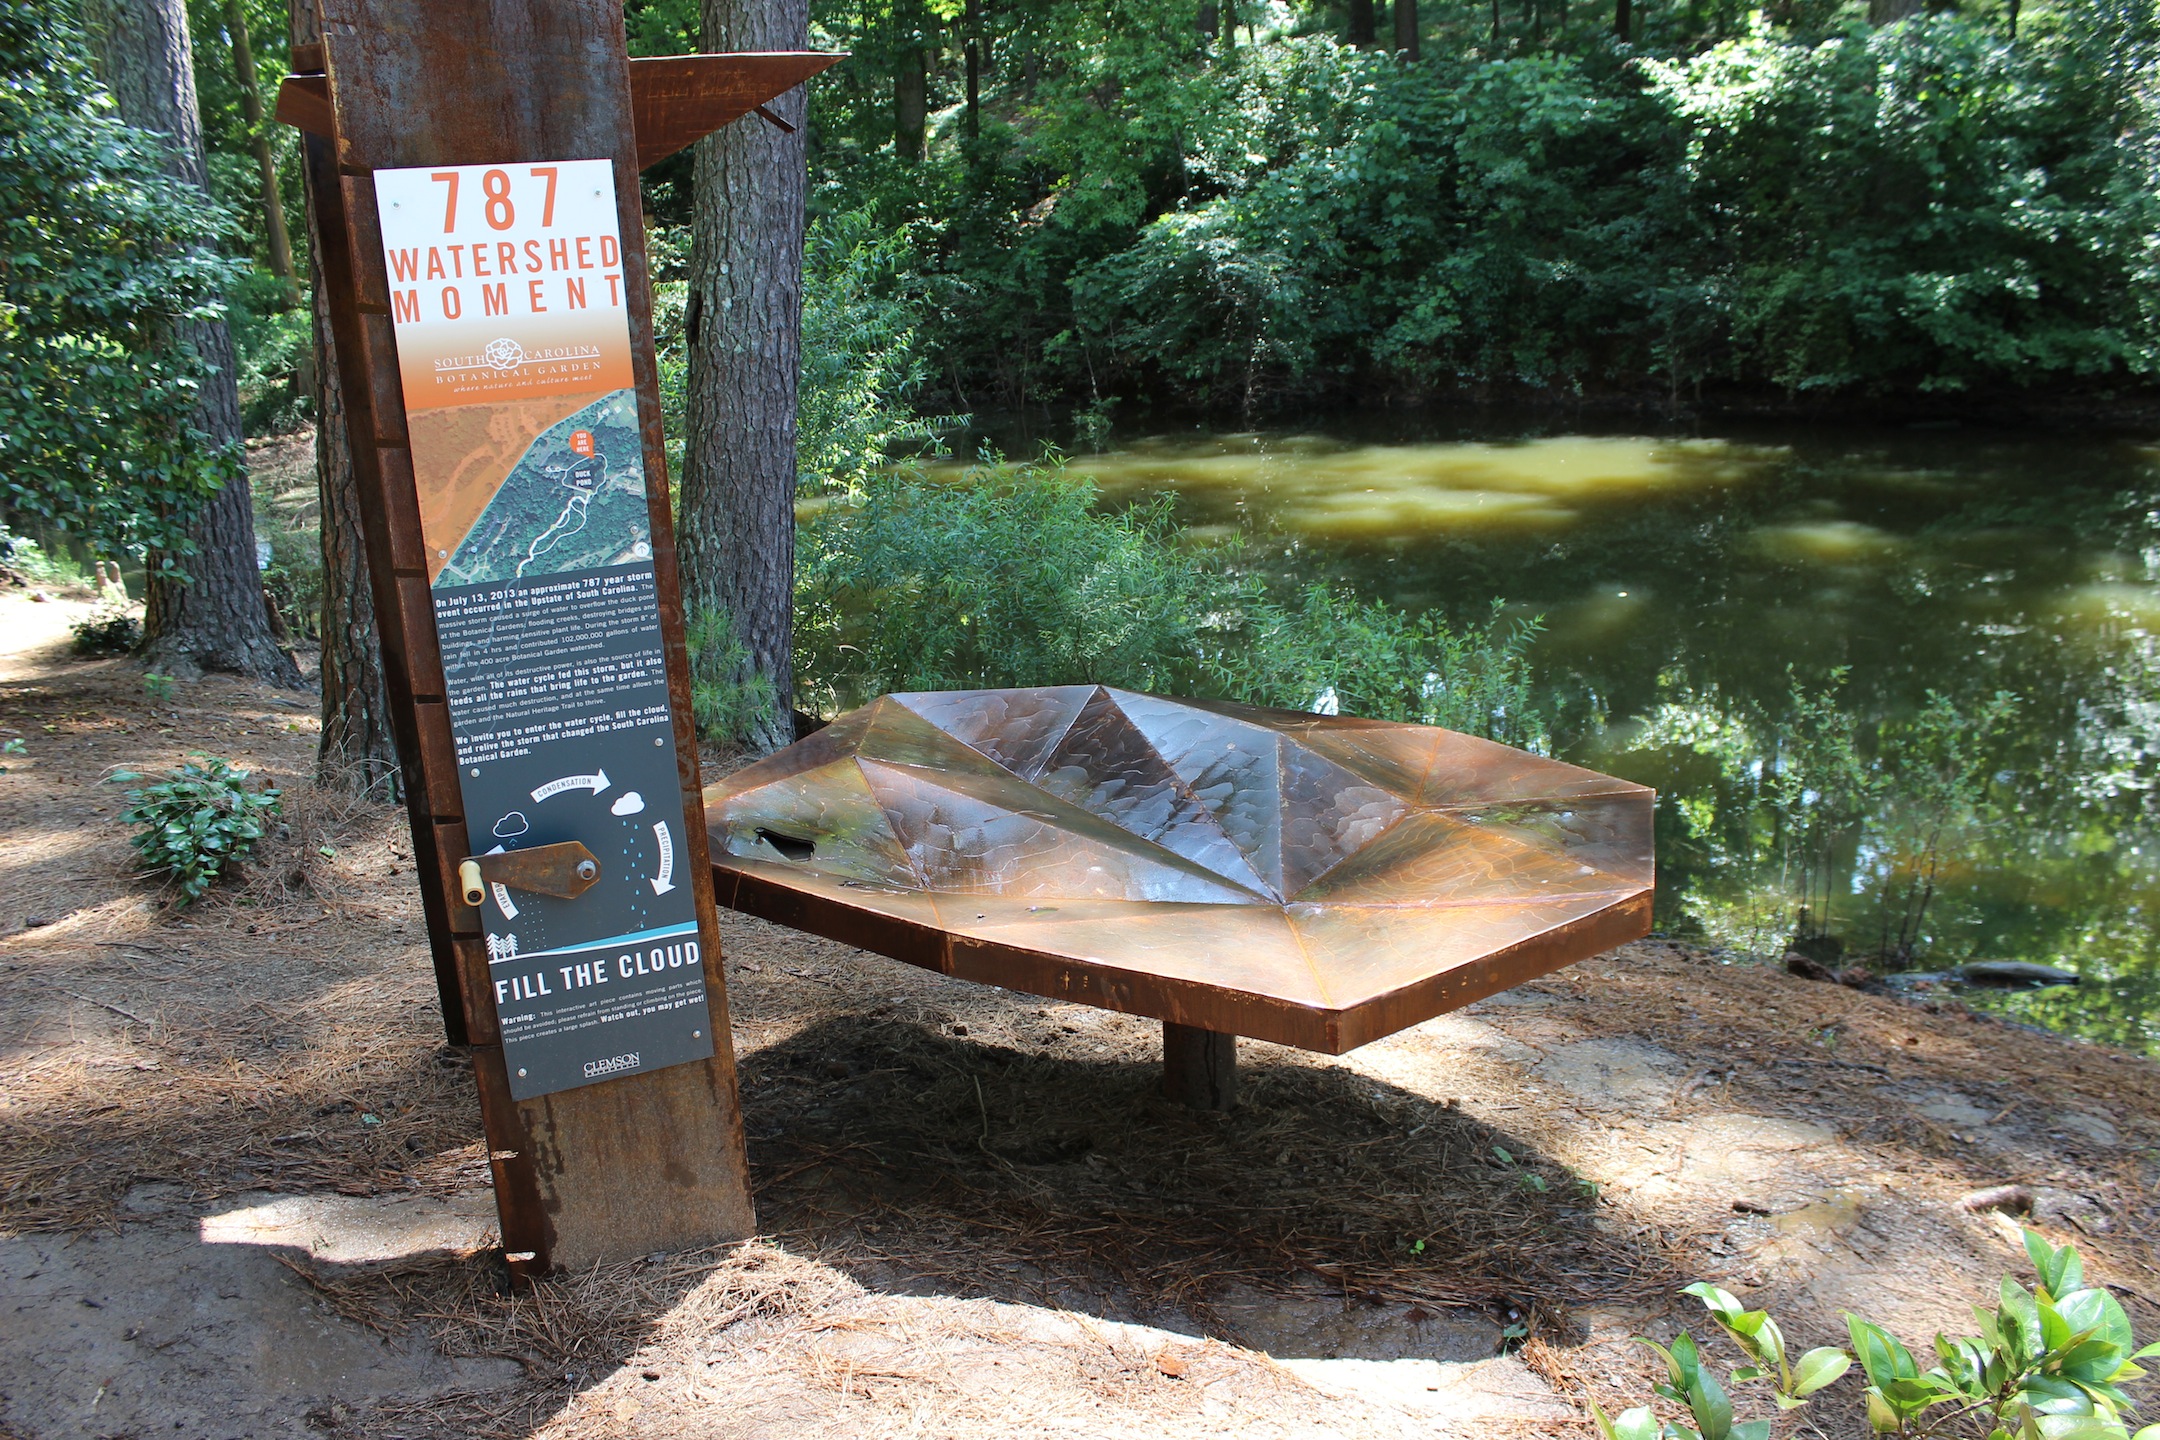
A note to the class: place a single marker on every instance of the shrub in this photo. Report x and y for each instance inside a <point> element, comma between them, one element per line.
<point>197,820</point>
<point>2048,1363</point>
<point>1011,577</point>
<point>1342,655</point>
<point>294,578</point>
<point>107,630</point>
<point>23,556</point>
<point>860,365</point>
<point>108,261</point>
<point>1015,576</point>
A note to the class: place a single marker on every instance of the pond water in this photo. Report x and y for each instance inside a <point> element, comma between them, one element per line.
<point>1688,584</point>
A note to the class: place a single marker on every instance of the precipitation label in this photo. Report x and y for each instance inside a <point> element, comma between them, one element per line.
<point>514,352</point>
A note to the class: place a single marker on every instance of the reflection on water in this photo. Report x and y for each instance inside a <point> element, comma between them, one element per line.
<point>1688,583</point>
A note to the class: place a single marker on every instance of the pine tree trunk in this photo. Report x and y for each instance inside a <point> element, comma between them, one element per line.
<point>911,103</point>
<point>358,751</point>
<point>1362,29</point>
<point>251,108</point>
<point>1406,29</point>
<point>218,618</point>
<point>971,26</point>
<point>737,536</point>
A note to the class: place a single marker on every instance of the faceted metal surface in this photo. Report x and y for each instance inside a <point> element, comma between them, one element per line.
<point>1319,881</point>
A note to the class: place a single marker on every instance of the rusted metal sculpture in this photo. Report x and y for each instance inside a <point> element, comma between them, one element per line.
<point>1317,881</point>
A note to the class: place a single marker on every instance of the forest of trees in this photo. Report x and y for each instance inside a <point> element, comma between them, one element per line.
<point>1233,206</point>
<point>1224,206</point>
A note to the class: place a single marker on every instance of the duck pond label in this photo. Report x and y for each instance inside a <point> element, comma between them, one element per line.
<point>513,345</point>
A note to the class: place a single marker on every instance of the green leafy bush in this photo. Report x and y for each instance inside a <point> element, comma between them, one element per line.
<point>107,259</point>
<point>1015,575</point>
<point>1797,200</point>
<point>294,577</point>
<point>197,820</point>
<point>33,562</point>
<point>1332,651</point>
<point>107,630</point>
<point>2047,1364</point>
<point>861,366</point>
<point>1010,577</point>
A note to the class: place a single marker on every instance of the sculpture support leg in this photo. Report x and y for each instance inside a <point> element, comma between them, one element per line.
<point>1199,1067</point>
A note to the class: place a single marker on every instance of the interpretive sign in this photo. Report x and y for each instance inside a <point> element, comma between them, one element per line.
<point>508,300</point>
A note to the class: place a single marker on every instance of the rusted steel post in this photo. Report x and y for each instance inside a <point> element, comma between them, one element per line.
<point>623,1163</point>
<point>1199,1067</point>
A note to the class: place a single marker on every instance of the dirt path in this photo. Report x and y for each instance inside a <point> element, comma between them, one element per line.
<point>242,1194</point>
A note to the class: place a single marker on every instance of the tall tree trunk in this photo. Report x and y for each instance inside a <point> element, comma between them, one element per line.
<point>1362,30</point>
<point>218,618</point>
<point>911,102</point>
<point>1406,29</point>
<point>1889,12</point>
<point>973,21</point>
<point>251,107</point>
<point>358,751</point>
<point>1623,20</point>
<point>737,541</point>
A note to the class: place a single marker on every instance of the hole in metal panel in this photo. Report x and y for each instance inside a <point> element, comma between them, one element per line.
<point>794,847</point>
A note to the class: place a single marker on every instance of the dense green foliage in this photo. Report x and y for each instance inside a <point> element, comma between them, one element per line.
<point>101,257</point>
<point>2047,1363</point>
<point>1147,210</point>
<point>1017,576</point>
<point>196,820</point>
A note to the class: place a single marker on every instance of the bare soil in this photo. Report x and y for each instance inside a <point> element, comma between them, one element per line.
<point>242,1191</point>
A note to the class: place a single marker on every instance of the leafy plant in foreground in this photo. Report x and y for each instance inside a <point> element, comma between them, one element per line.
<point>196,820</point>
<point>2047,1364</point>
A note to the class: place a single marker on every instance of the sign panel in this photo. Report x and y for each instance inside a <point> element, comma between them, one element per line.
<point>513,342</point>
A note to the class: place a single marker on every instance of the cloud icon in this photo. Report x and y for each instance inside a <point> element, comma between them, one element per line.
<point>512,825</point>
<point>631,803</point>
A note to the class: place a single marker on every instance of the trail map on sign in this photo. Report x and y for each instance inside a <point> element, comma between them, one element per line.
<point>529,464</point>
<point>561,508</point>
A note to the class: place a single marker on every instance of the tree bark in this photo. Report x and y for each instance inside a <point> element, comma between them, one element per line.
<point>1362,30</point>
<point>251,108</point>
<point>218,618</point>
<point>1889,12</point>
<point>737,536</point>
<point>357,753</point>
<point>1623,23</point>
<point>972,21</point>
<point>1406,29</point>
<point>911,102</point>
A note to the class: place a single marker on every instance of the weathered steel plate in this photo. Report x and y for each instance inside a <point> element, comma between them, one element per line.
<point>1318,881</point>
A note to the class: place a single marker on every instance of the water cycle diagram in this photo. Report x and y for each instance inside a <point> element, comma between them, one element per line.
<point>636,851</point>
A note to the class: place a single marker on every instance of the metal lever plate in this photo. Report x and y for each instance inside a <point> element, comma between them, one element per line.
<point>566,871</point>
